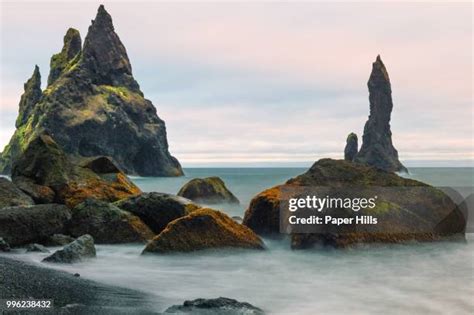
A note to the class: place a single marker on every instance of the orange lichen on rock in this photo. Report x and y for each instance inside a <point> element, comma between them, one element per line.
<point>203,229</point>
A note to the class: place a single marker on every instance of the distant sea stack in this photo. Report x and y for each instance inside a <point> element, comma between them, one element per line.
<point>93,106</point>
<point>377,148</point>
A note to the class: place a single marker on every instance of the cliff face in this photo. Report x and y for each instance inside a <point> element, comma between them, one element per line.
<point>377,148</point>
<point>93,106</point>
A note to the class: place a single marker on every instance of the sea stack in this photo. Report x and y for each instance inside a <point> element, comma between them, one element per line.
<point>93,106</point>
<point>377,148</point>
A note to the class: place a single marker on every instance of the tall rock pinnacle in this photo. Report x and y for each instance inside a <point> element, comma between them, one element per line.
<point>105,55</point>
<point>94,107</point>
<point>71,49</point>
<point>377,148</point>
<point>30,97</point>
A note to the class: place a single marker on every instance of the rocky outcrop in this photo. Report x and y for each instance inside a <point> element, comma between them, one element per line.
<point>32,224</point>
<point>157,209</point>
<point>64,59</point>
<point>210,190</point>
<point>82,248</point>
<point>44,164</point>
<point>377,148</point>
<point>107,224</point>
<point>352,147</point>
<point>4,246</point>
<point>94,93</point>
<point>10,195</point>
<point>429,214</point>
<point>221,305</point>
<point>203,229</point>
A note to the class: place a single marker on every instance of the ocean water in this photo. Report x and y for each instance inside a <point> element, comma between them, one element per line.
<point>428,278</point>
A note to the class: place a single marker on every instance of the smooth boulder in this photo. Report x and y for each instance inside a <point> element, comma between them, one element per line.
<point>157,209</point>
<point>44,163</point>
<point>428,214</point>
<point>22,225</point>
<point>82,248</point>
<point>203,229</point>
<point>107,224</point>
<point>210,190</point>
<point>11,196</point>
<point>218,306</point>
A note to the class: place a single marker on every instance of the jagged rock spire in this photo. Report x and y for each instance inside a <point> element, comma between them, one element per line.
<point>105,55</point>
<point>71,49</point>
<point>377,148</point>
<point>30,97</point>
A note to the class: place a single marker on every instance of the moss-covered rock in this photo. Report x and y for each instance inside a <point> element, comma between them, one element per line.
<point>11,195</point>
<point>107,224</point>
<point>44,163</point>
<point>22,225</point>
<point>39,193</point>
<point>94,93</point>
<point>62,60</point>
<point>157,209</point>
<point>203,229</point>
<point>210,190</point>
<point>405,209</point>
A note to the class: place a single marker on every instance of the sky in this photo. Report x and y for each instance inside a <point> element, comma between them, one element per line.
<point>271,83</point>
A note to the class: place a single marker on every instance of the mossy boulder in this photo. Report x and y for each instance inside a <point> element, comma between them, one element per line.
<point>210,190</point>
<point>93,106</point>
<point>82,248</point>
<point>203,229</point>
<point>405,209</point>
<point>45,164</point>
<point>11,195</point>
<point>157,209</point>
<point>23,225</point>
<point>107,224</point>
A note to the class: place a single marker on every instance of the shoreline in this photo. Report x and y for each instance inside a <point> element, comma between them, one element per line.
<point>70,294</point>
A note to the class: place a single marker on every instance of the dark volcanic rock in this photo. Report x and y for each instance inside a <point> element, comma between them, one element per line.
<point>107,224</point>
<point>203,229</point>
<point>157,209</point>
<point>71,49</point>
<point>101,165</point>
<point>208,190</point>
<point>44,163</point>
<point>352,146</point>
<point>405,209</point>
<point>10,195</point>
<point>95,108</point>
<point>377,148</point>
<point>82,248</point>
<point>221,306</point>
<point>32,224</point>
<point>4,246</point>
